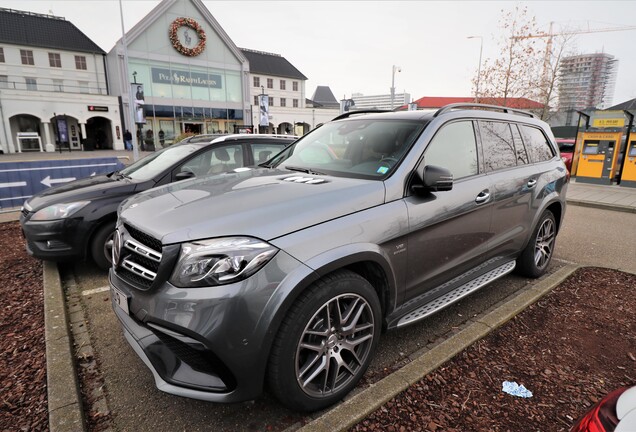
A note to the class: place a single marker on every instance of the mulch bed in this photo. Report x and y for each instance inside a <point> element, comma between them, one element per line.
<point>23,400</point>
<point>570,349</point>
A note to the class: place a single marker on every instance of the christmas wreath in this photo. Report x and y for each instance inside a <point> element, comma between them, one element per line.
<point>174,38</point>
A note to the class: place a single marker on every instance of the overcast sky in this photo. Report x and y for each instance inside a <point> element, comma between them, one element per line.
<point>352,46</point>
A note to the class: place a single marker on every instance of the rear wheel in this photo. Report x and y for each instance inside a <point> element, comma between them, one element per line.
<point>535,258</point>
<point>102,245</point>
<point>325,343</point>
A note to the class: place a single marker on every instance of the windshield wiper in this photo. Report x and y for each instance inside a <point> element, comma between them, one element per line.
<point>120,174</point>
<point>305,170</point>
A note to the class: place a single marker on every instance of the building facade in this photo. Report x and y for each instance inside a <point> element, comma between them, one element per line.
<point>184,74</point>
<point>586,82</point>
<point>53,87</point>
<point>176,71</point>
<point>273,75</point>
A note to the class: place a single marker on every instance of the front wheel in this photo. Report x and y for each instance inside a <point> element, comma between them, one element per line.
<point>325,342</point>
<point>102,245</point>
<point>534,260</point>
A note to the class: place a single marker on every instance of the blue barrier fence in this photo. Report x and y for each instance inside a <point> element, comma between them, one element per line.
<point>21,180</point>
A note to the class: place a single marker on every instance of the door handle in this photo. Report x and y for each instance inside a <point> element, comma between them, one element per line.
<point>482,197</point>
<point>532,183</point>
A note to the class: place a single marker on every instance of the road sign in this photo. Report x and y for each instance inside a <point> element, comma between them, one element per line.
<point>21,180</point>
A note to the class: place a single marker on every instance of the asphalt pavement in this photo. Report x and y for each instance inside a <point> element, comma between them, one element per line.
<point>604,232</point>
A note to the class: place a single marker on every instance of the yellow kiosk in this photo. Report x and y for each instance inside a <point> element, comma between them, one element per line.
<point>598,148</point>
<point>628,175</point>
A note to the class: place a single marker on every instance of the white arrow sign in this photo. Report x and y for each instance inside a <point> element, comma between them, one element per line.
<point>14,184</point>
<point>48,181</point>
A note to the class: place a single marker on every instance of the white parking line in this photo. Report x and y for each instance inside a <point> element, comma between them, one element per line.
<point>95,291</point>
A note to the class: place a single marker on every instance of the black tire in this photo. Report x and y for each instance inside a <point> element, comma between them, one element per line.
<point>535,258</point>
<point>290,361</point>
<point>101,245</point>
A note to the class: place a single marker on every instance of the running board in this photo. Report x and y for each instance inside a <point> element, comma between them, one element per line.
<point>455,295</point>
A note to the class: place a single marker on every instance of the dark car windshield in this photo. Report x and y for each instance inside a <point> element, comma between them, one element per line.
<point>156,163</point>
<point>362,148</point>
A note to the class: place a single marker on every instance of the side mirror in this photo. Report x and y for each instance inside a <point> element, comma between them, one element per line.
<point>182,175</point>
<point>435,179</point>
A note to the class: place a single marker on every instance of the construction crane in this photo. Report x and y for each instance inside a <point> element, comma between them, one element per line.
<point>550,35</point>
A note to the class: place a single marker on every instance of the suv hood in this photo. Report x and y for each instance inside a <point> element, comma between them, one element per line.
<point>262,203</point>
<point>89,188</point>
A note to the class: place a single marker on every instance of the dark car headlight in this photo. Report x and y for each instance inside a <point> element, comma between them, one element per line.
<point>58,211</point>
<point>220,261</point>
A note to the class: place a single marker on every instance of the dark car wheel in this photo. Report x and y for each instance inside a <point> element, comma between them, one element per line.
<point>535,258</point>
<point>102,245</point>
<point>325,342</point>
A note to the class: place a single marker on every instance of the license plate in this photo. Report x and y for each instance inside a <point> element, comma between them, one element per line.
<point>120,298</point>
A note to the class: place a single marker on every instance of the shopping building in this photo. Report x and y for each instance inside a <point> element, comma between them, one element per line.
<point>193,78</point>
<point>176,71</point>
<point>184,74</point>
<point>53,87</point>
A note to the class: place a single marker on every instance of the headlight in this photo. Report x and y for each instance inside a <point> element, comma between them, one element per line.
<point>220,261</point>
<point>58,211</point>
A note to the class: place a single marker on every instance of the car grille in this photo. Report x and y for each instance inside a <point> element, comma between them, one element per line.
<point>139,259</point>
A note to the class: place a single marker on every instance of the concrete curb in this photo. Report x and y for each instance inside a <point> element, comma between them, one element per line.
<point>357,408</point>
<point>600,205</point>
<point>64,401</point>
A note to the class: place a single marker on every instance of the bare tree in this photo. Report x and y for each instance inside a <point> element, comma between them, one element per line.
<point>515,73</point>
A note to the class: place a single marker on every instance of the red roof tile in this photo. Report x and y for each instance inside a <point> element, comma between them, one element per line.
<point>440,101</point>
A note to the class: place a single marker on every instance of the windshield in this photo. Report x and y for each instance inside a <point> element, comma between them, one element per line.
<point>156,163</point>
<point>362,148</point>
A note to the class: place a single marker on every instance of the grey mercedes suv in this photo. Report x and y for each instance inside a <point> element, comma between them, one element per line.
<point>285,275</point>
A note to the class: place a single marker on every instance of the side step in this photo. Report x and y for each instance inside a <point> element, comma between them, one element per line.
<point>457,294</point>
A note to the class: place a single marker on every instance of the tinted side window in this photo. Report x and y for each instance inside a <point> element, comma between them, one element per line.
<point>522,155</point>
<point>265,151</point>
<point>454,147</point>
<point>215,160</point>
<point>537,144</point>
<point>499,148</point>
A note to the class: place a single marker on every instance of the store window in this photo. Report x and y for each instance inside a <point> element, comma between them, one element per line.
<point>80,62</point>
<point>283,102</point>
<point>31,84</point>
<point>270,83</point>
<point>257,82</point>
<point>295,102</point>
<point>283,84</point>
<point>55,60</point>
<point>295,85</point>
<point>27,57</point>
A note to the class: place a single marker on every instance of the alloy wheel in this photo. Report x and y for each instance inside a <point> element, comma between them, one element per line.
<point>544,244</point>
<point>334,345</point>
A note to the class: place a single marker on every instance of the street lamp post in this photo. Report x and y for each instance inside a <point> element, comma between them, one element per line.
<point>398,69</point>
<point>481,47</point>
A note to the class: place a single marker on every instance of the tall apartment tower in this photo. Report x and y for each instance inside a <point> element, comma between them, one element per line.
<point>587,81</point>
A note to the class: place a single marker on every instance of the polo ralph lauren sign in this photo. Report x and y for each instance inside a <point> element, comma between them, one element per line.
<point>177,77</point>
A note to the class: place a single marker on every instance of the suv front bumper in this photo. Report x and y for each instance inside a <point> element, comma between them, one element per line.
<point>209,343</point>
